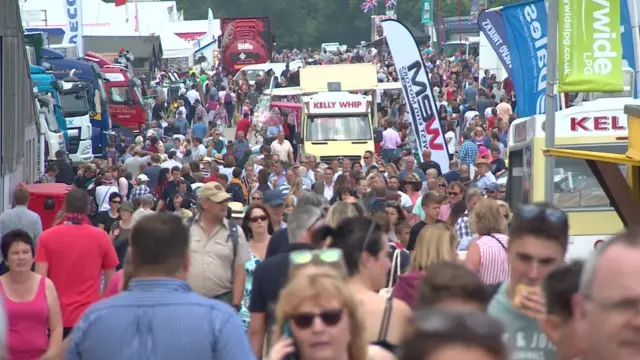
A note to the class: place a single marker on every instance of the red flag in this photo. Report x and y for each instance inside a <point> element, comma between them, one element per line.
<point>120,2</point>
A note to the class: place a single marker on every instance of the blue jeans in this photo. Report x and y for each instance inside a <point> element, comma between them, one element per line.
<point>388,155</point>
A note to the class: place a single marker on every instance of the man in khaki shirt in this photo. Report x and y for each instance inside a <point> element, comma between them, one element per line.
<point>215,271</point>
<point>282,147</point>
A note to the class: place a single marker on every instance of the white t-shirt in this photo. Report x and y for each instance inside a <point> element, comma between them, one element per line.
<point>469,115</point>
<point>193,95</point>
<point>450,138</point>
<point>199,152</point>
<point>487,112</point>
<point>102,196</point>
<point>405,200</point>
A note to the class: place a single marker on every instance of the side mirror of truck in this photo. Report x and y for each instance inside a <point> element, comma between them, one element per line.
<point>57,85</point>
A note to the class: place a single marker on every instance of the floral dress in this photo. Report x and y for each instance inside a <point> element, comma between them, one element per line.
<point>250,269</point>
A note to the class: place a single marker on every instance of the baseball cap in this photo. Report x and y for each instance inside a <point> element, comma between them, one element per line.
<point>213,191</point>
<point>180,112</point>
<point>493,187</point>
<point>237,210</point>
<point>142,177</point>
<point>273,197</point>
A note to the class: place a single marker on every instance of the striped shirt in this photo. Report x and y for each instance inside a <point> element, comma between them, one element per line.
<point>494,263</point>
<point>158,319</point>
<point>463,231</point>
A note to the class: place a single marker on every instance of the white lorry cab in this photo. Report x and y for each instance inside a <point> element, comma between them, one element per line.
<point>599,125</point>
<point>332,47</point>
<point>254,70</point>
<point>489,60</point>
<point>76,110</point>
<point>468,46</point>
<point>51,136</point>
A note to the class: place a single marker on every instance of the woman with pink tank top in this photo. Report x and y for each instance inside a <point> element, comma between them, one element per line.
<point>30,300</point>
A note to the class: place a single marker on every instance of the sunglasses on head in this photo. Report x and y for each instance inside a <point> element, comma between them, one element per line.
<point>326,256</point>
<point>262,218</point>
<point>329,317</point>
<point>444,322</point>
<point>553,216</point>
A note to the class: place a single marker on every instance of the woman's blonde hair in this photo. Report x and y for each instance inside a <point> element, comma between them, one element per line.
<point>322,285</point>
<point>338,212</point>
<point>290,201</point>
<point>392,167</point>
<point>296,186</point>
<point>435,244</point>
<point>505,206</point>
<point>486,218</point>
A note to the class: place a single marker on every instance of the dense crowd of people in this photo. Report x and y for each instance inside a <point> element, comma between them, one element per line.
<point>187,244</point>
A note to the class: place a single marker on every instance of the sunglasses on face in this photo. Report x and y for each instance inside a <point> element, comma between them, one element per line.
<point>262,218</point>
<point>116,202</point>
<point>326,256</point>
<point>442,185</point>
<point>453,193</point>
<point>256,198</point>
<point>366,157</point>
<point>330,317</point>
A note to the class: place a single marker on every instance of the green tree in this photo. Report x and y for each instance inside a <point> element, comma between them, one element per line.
<point>308,23</point>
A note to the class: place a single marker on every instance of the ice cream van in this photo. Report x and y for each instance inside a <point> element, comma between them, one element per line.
<point>598,125</point>
<point>337,125</point>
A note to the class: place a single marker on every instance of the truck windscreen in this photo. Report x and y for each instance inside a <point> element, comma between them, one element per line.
<point>451,49</point>
<point>338,127</point>
<point>50,115</point>
<point>74,104</point>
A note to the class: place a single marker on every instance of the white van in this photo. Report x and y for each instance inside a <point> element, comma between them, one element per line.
<point>258,69</point>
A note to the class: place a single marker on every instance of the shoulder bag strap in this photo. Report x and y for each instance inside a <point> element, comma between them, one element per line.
<point>386,319</point>
<point>104,197</point>
<point>499,242</point>
<point>233,236</point>
<point>395,267</point>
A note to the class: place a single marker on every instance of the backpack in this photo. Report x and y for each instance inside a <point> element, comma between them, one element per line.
<point>233,236</point>
<point>227,98</point>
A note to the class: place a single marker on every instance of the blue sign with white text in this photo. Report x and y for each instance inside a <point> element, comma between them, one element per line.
<point>526,30</point>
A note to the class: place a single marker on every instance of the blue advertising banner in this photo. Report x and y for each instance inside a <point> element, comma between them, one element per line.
<point>491,24</point>
<point>628,53</point>
<point>526,29</point>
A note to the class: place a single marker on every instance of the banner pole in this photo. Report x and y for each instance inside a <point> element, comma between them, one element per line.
<point>550,108</point>
<point>635,29</point>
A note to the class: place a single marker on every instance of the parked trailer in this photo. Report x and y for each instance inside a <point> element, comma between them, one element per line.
<point>18,118</point>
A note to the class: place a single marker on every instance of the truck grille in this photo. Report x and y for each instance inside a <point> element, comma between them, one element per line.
<point>74,144</point>
<point>328,159</point>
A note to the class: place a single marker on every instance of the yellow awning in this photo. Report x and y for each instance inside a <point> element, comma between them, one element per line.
<point>389,86</point>
<point>592,155</point>
<point>286,91</point>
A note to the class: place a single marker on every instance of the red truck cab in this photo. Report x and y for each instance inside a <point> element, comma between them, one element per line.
<point>245,41</point>
<point>126,106</point>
